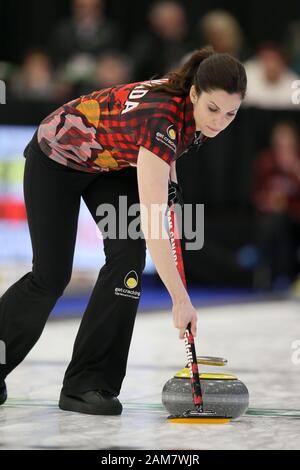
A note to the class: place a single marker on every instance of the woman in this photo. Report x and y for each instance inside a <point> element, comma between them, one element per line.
<point>78,151</point>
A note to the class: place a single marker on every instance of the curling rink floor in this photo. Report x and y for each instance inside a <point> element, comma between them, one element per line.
<point>257,339</point>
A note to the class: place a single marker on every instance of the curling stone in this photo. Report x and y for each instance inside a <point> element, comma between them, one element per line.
<point>224,394</point>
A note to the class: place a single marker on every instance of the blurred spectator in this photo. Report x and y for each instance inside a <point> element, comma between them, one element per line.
<point>269,79</point>
<point>293,44</point>
<point>6,70</point>
<point>35,80</point>
<point>87,31</point>
<point>160,48</point>
<point>276,197</point>
<point>221,30</point>
<point>78,72</point>
<point>110,69</point>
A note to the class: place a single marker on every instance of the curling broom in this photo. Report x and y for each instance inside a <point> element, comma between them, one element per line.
<point>197,415</point>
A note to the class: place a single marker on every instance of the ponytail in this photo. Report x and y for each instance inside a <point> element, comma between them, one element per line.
<point>206,70</point>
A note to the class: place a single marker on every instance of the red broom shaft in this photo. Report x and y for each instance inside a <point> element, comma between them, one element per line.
<point>189,338</point>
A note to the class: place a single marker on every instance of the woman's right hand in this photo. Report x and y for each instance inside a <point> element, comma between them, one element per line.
<point>183,314</point>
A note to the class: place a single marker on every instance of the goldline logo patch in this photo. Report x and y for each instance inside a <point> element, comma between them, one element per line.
<point>171,132</point>
<point>130,282</point>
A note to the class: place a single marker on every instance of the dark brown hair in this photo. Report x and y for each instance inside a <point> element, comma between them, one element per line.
<point>207,70</point>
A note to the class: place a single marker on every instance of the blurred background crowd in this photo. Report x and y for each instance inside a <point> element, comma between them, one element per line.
<point>88,44</point>
<point>249,177</point>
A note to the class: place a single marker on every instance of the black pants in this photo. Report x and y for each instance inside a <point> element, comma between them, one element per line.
<point>52,195</point>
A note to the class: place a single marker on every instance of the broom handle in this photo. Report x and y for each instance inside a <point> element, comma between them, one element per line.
<point>188,336</point>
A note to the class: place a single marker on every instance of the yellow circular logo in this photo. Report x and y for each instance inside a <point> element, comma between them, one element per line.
<point>171,133</point>
<point>131,280</point>
<point>131,283</point>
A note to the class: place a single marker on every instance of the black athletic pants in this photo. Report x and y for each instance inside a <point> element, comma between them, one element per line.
<point>52,195</point>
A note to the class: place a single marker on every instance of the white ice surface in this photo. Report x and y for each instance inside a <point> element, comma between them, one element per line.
<point>256,338</point>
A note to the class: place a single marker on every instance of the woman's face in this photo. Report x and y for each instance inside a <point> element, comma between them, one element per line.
<point>214,110</point>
